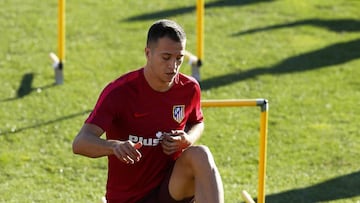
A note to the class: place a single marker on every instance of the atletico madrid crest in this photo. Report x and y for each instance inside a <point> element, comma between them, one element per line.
<point>178,113</point>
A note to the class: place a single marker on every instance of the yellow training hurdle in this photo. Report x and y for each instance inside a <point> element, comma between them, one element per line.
<point>264,105</point>
<point>59,59</point>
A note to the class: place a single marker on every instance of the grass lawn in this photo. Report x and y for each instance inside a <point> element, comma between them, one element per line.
<point>303,56</point>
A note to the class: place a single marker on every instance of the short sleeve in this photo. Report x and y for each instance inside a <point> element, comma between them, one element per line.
<point>103,112</point>
<point>196,115</point>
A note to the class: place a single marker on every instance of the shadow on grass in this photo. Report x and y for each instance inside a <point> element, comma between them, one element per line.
<point>336,25</point>
<point>189,9</point>
<point>342,187</point>
<point>334,54</point>
<point>331,55</point>
<point>25,87</point>
<point>38,125</point>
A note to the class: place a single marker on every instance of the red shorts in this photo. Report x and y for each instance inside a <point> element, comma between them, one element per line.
<point>161,194</point>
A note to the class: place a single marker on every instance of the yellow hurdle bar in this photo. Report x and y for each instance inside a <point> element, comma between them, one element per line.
<point>61,30</point>
<point>263,103</point>
<point>200,10</point>
<point>231,102</point>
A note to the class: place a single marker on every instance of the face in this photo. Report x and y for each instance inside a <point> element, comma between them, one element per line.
<point>164,60</point>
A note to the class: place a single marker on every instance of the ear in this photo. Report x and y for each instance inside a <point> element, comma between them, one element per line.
<point>147,52</point>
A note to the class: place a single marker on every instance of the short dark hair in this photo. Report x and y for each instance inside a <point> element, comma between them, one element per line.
<point>165,28</point>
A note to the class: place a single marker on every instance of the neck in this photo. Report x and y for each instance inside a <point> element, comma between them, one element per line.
<point>155,83</point>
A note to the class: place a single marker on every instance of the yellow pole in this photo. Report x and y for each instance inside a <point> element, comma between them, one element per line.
<point>200,28</point>
<point>59,60</point>
<point>229,103</point>
<point>263,133</point>
<point>262,153</point>
<point>61,30</point>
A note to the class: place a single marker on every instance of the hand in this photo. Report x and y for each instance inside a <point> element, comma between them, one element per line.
<point>127,151</point>
<point>174,141</point>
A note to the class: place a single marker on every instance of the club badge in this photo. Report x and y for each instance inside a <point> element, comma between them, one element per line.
<point>178,113</point>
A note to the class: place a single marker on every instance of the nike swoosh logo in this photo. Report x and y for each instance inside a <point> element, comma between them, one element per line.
<point>139,115</point>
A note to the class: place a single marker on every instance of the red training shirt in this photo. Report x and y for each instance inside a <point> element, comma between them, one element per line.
<point>129,109</point>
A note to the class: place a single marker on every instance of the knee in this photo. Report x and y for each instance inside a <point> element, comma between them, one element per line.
<point>200,154</point>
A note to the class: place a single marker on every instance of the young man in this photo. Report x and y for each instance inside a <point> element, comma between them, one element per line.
<point>152,118</point>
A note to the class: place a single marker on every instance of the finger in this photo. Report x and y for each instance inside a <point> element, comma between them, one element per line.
<point>126,157</point>
<point>165,145</point>
<point>177,132</point>
<point>132,154</point>
<point>168,147</point>
<point>168,151</point>
<point>127,160</point>
<point>168,138</point>
<point>122,153</point>
<point>118,152</point>
<point>138,145</point>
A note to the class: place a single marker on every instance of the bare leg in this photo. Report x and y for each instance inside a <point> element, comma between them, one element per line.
<point>195,173</point>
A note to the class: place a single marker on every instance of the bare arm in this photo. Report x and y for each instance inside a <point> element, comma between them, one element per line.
<point>195,132</point>
<point>88,143</point>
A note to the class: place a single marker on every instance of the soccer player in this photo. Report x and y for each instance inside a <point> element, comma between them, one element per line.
<point>152,117</point>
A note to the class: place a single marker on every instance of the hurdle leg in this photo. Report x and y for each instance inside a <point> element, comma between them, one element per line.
<point>246,196</point>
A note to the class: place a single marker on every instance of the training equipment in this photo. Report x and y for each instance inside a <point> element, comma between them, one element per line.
<point>195,64</point>
<point>200,10</point>
<point>247,197</point>
<point>264,105</point>
<point>57,65</point>
<point>58,61</point>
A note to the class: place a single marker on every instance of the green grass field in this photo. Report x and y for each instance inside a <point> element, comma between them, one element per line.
<point>303,56</point>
